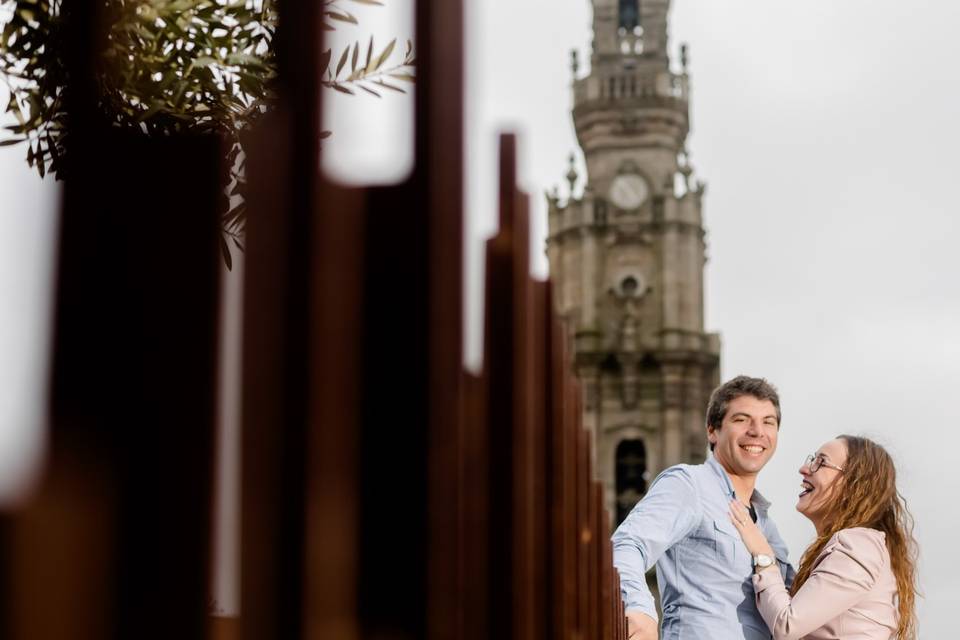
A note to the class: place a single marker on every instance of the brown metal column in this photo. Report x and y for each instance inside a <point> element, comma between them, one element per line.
<point>283,173</point>
<point>115,542</point>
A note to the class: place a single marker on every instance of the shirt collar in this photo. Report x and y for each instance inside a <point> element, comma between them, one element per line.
<point>757,500</point>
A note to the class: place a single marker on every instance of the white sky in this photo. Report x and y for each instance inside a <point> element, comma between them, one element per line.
<point>827,134</point>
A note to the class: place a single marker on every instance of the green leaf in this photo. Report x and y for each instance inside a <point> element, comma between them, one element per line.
<point>385,54</point>
<point>389,86</point>
<point>225,250</point>
<point>356,52</point>
<point>367,67</point>
<point>343,61</point>
<point>370,91</point>
<point>342,17</point>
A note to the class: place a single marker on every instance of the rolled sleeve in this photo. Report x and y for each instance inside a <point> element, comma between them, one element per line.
<point>665,515</point>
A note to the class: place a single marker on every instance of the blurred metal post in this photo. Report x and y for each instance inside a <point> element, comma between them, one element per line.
<point>115,542</point>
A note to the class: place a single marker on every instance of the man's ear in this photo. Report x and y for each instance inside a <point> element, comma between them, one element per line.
<point>712,434</point>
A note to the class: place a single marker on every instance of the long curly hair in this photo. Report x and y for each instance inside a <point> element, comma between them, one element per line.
<point>866,496</point>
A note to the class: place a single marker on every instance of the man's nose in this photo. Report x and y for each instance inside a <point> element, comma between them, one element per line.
<point>753,428</point>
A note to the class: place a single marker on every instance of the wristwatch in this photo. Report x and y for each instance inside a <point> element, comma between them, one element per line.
<point>761,562</point>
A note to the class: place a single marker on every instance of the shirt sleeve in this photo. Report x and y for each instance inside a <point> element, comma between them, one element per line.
<point>848,570</point>
<point>664,516</point>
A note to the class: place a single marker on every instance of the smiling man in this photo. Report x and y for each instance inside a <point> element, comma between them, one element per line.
<point>682,525</point>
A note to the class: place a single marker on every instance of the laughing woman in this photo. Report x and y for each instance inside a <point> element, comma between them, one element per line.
<point>858,578</point>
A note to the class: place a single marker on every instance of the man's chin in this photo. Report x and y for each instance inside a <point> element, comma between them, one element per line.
<point>754,465</point>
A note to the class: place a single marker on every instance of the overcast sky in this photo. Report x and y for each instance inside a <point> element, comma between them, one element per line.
<point>827,133</point>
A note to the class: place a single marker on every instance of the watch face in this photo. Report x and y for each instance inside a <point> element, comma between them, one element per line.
<point>628,191</point>
<point>762,560</point>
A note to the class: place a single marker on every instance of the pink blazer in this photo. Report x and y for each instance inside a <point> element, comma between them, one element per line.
<point>851,593</point>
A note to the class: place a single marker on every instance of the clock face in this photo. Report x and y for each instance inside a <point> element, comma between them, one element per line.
<point>628,191</point>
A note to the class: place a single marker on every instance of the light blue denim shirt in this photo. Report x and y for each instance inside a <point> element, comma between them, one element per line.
<point>703,568</point>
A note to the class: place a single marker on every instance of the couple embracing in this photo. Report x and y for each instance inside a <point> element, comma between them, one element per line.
<point>722,567</point>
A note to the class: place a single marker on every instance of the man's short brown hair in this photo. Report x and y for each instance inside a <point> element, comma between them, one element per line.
<point>723,395</point>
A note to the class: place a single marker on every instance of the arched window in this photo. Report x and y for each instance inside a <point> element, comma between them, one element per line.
<point>629,14</point>
<point>630,475</point>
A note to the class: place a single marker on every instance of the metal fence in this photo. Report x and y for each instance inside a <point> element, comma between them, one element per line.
<point>386,493</point>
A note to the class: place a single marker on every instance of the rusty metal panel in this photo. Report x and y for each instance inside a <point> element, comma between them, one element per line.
<point>475,471</point>
<point>333,472</point>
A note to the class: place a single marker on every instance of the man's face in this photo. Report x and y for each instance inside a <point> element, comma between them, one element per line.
<point>747,436</point>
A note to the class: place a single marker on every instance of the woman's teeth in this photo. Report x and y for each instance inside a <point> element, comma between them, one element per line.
<point>807,488</point>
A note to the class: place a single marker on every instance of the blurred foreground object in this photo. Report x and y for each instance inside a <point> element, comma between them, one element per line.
<point>386,492</point>
<point>167,67</point>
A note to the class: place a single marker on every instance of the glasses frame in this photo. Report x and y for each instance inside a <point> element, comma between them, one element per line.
<point>814,462</point>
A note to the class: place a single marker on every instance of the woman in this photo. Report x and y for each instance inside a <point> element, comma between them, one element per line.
<point>858,578</point>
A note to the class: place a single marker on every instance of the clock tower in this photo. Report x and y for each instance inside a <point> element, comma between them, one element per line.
<point>627,255</point>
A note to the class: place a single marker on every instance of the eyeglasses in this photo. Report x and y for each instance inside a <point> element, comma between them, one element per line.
<point>815,462</point>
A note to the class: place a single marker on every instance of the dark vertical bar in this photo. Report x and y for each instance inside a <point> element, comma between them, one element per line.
<point>411,440</point>
<point>440,172</point>
<point>524,544</point>
<point>70,505</point>
<point>333,473</point>
<point>132,387</point>
<point>571,560</point>
<point>475,567</point>
<point>499,335</point>
<point>132,392</point>
<point>583,532</point>
<point>606,578</point>
<point>554,446</point>
<point>561,565</point>
<point>538,399</point>
<point>595,498</point>
<point>395,417</point>
<point>277,301</point>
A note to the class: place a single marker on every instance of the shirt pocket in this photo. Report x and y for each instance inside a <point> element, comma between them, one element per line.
<point>728,541</point>
<point>710,540</point>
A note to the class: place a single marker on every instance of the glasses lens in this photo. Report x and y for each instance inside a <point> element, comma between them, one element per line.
<point>813,463</point>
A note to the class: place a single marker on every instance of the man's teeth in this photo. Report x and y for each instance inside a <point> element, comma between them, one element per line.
<point>753,448</point>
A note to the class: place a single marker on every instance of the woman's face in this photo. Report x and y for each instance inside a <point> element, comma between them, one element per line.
<point>819,486</point>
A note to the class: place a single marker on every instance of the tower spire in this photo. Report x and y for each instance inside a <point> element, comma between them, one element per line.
<point>627,255</point>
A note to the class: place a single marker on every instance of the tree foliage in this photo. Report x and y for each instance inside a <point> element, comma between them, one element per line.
<point>173,66</point>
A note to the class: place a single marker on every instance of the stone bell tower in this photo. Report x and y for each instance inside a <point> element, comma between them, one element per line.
<point>627,255</point>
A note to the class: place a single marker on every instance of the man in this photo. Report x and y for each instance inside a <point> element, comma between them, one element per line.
<point>683,526</point>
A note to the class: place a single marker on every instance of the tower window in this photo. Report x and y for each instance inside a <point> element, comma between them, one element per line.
<point>631,476</point>
<point>629,14</point>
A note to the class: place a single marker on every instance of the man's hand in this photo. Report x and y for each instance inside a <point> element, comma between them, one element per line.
<point>640,626</point>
